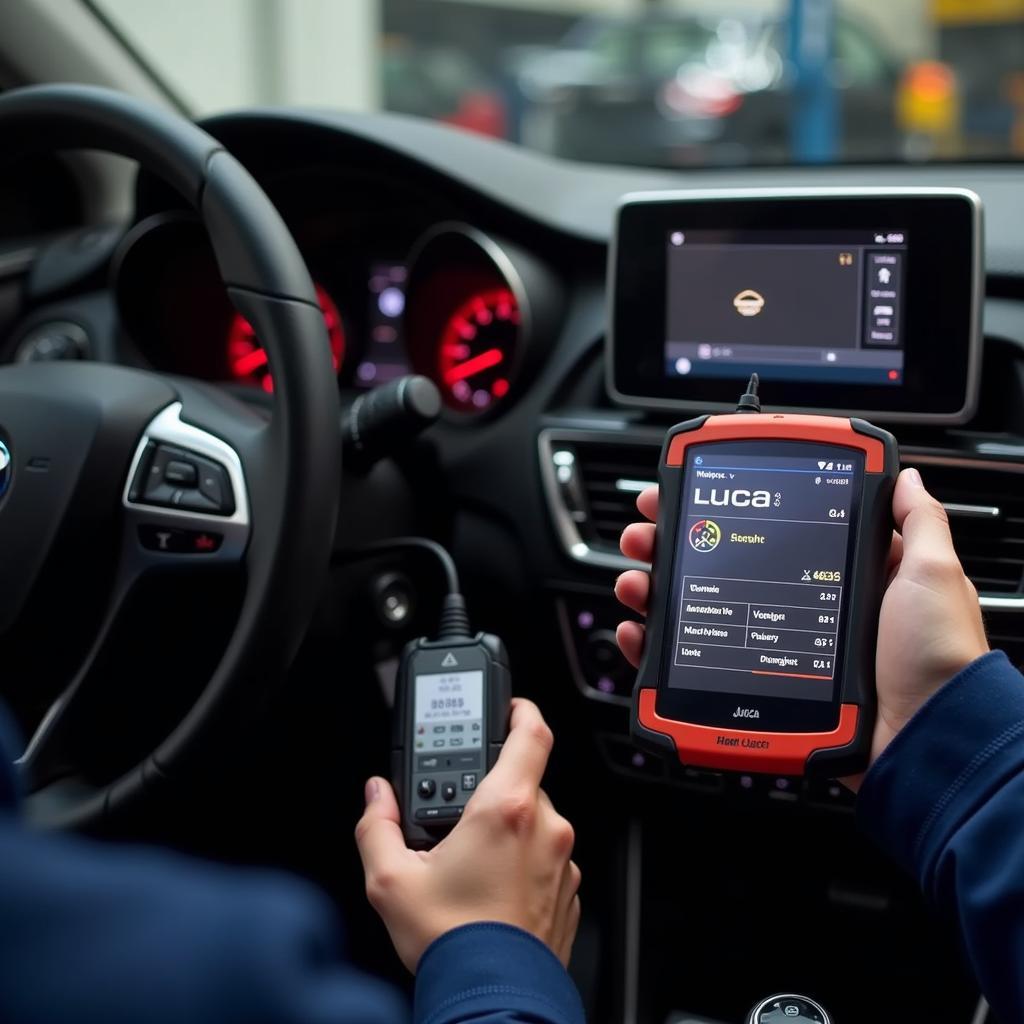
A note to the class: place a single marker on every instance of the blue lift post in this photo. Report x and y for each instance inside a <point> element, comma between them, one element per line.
<point>814,117</point>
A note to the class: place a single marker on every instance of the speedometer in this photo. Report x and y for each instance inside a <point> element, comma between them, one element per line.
<point>247,359</point>
<point>478,349</point>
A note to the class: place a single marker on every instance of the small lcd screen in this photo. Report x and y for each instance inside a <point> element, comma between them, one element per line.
<point>761,570</point>
<point>449,711</point>
<point>792,305</point>
<point>384,359</point>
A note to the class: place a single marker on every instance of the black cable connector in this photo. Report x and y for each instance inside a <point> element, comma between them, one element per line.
<point>454,621</point>
<point>749,402</point>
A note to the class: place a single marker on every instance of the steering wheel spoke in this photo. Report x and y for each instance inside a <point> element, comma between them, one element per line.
<point>186,500</point>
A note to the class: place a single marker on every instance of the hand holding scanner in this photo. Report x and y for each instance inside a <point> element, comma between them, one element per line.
<point>452,703</point>
<point>770,562</point>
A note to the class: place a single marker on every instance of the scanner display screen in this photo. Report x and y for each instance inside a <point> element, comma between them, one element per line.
<point>449,711</point>
<point>760,574</point>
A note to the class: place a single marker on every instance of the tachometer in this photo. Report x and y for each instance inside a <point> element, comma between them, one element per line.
<point>478,349</point>
<point>474,308</point>
<point>247,359</point>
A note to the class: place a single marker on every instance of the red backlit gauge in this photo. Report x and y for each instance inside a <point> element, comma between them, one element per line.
<point>478,349</point>
<point>247,360</point>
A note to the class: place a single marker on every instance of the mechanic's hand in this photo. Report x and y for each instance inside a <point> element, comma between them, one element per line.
<point>506,860</point>
<point>930,626</point>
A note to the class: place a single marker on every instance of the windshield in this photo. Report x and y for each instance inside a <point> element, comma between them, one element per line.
<point>621,81</point>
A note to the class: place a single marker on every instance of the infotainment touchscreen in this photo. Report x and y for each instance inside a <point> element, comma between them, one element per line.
<point>800,305</point>
<point>863,302</point>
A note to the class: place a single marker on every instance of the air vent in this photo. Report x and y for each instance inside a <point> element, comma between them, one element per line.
<point>612,476</point>
<point>592,484</point>
<point>986,516</point>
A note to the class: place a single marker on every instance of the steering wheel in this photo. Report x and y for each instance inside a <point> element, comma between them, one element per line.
<point>109,474</point>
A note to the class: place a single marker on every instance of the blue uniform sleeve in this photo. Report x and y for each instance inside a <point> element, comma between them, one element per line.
<point>98,934</point>
<point>946,801</point>
<point>493,973</point>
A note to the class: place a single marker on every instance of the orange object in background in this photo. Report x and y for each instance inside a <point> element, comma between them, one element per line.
<point>974,12</point>
<point>928,105</point>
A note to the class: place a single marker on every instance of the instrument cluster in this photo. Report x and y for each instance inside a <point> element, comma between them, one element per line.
<point>456,308</point>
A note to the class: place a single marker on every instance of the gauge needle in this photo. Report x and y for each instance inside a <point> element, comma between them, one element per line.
<point>253,360</point>
<point>477,364</point>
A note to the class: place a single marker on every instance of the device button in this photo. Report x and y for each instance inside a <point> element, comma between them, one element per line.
<point>784,788</point>
<point>788,1009</point>
<point>178,542</point>
<point>448,791</point>
<point>624,756</point>
<point>215,486</point>
<point>192,500</point>
<point>604,667</point>
<point>426,788</point>
<point>469,780</point>
<point>181,473</point>
<point>174,477</point>
<point>429,813</point>
<point>449,813</point>
<point>829,793</point>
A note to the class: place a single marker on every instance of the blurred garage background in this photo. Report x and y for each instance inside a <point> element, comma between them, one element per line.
<point>671,84</point>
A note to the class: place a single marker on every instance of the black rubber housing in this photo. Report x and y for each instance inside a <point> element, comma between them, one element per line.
<point>869,560</point>
<point>489,654</point>
<point>292,464</point>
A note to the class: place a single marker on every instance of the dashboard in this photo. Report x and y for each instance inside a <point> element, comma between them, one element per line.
<point>485,268</point>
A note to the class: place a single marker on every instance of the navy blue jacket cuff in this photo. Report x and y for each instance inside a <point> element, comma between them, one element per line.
<point>958,750</point>
<point>493,970</point>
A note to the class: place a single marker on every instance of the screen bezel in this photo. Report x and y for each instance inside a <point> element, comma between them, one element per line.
<point>777,714</point>
<point>944,257</point>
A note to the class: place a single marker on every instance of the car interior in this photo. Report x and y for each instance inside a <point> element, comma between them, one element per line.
<point>204,541</point>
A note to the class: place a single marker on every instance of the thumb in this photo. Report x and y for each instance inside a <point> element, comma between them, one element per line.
<point>922,522</point>
<point>379,832</point>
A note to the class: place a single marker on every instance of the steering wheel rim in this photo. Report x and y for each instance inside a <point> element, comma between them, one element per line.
<point>292,464</point>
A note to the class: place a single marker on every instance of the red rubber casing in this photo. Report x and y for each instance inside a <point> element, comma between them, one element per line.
<point>837,751</point>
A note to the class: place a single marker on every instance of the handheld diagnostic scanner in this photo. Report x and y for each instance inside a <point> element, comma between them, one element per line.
<point>451,717</point>
<point>770,562</point>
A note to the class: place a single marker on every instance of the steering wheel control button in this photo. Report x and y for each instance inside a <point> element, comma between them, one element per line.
<point>172,541</point>
<point>788,1009</point>
<point>215,486</point>
<point>448,791</point>
<point>426,788</point>
<point>175,478</point>
<point>181,474</point>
